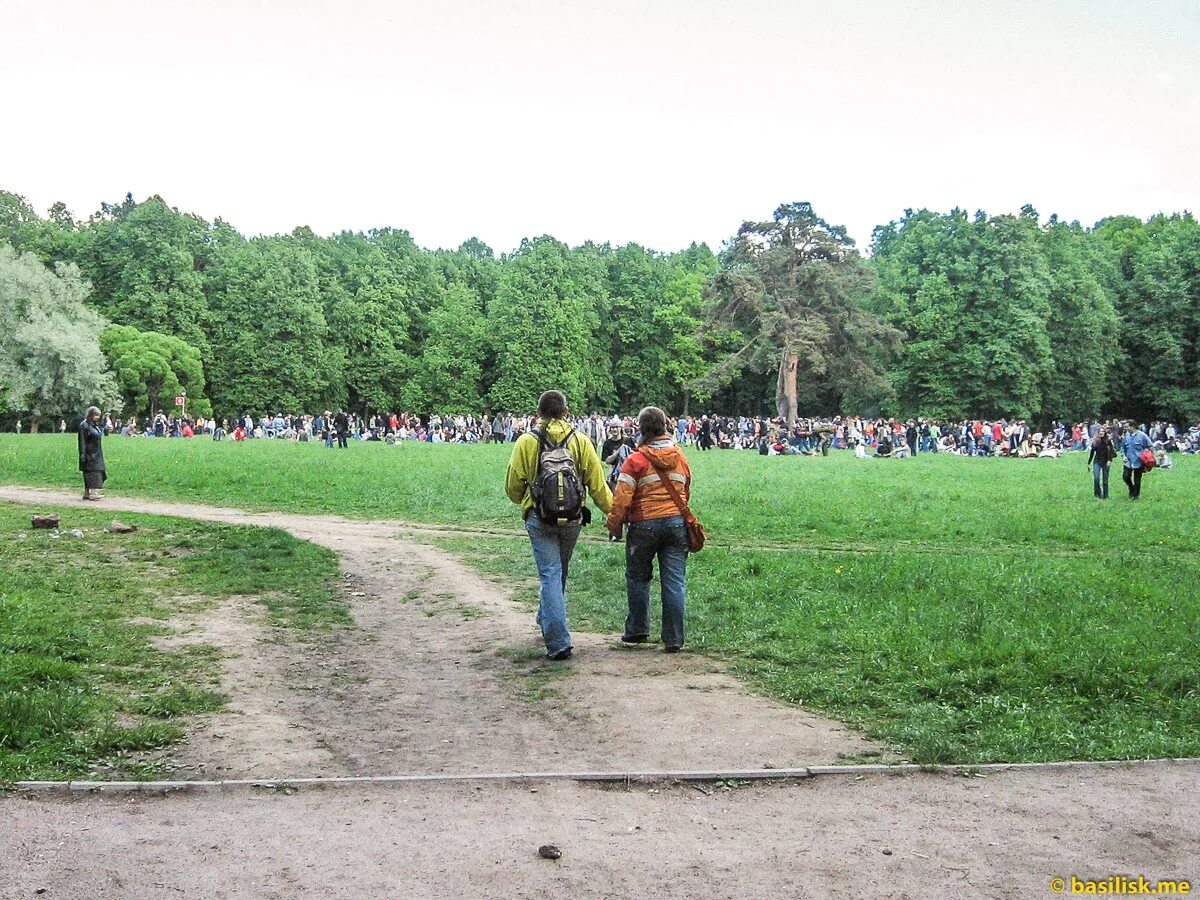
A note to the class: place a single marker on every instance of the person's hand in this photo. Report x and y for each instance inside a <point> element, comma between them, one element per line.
<point>614,537</point>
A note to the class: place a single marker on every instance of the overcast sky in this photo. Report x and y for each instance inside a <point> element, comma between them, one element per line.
<point>656,121</point>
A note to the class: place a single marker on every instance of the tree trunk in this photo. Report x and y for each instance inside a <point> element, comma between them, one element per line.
<point>785,387</point>
<point>687,398</point>
<point>35,422</point>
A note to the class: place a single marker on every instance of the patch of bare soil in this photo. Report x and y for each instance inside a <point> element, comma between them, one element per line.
<point>1005,836</point>
<point>440,675</point>
<point>256,729</point>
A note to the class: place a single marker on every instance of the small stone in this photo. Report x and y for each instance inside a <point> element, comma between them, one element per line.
<point>549,851</point>
<point>887,852</point>
<point>121,528</point>
<point>76,533</point>
<point>47,521</point>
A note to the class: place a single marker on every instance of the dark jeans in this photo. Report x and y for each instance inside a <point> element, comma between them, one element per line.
<point>666,539</point>
<point>341,438</point>
<point>1133,478</point>
<point>1100,479</point>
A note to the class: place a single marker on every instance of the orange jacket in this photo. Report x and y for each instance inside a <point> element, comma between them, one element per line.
<point>640,493</point>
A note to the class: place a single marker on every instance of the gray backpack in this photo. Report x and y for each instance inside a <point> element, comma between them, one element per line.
<point>557,490</point>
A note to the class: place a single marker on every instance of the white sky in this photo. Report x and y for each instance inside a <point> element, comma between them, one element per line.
<point>656,121</point>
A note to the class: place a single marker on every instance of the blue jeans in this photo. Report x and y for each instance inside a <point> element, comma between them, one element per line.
<point>552,549</point>
<point>666,539</point>
<point>1100,478</point>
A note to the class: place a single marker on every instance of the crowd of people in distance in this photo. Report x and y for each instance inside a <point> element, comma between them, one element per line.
<point>866,437</point>
<point>898,439</point>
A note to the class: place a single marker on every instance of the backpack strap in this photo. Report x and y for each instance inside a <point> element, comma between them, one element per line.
<point>546,443</point>
<point>566,440</point>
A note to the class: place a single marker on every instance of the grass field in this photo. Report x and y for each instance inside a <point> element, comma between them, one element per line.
<point>963,610</point>
<point>81,683</point>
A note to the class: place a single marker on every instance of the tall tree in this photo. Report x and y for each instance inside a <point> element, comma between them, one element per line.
<point>449,372</point>
<point>543,325</point>
<point>1083,328</point>
<point>270,350</point>
<point>972,299</point>
<point>793,287</point>
<point>151,369</point>
<point>50,359</point>
<point>145,262</point>
<point>1158,288</point>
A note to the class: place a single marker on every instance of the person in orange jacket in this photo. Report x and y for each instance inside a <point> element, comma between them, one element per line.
<point>656,530</point>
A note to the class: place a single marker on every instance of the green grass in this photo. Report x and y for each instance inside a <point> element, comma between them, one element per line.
<point>81,683</point>
<point>935,503</point>
<point>955,658</point>
<point>963,610</point>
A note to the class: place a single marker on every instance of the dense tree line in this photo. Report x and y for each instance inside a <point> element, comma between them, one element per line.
<point>950,315</point>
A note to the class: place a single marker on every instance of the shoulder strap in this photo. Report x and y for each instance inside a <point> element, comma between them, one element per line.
<point>684,509</point>
<point>566,440</point>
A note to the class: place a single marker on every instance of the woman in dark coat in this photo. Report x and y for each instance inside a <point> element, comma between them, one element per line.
<point>91,455</point>
<point>1101,457</point>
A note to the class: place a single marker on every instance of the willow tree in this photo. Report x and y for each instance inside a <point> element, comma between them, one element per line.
<point>50,360</point>
<point>792,289</point>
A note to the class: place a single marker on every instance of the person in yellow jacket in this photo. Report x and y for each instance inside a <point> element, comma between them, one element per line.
<point>554,541</point>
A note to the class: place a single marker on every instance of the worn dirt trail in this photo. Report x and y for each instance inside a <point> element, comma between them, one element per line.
<point>440,674</point>
<point>1004,836</point>
<point>404,691</point>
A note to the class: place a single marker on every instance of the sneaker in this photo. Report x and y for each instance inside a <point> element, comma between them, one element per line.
<point>561,655</point>
<point>634,638</point>
<point>671,649</point>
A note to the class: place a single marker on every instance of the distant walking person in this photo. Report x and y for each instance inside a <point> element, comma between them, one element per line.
<point>1100,459</point>
<point>656,529</point>
<point>552,470</point>
<point>91,455</point>
<point>1134,442</point>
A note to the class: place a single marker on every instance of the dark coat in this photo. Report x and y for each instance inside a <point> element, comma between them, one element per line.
<point>91,456</point>
<point>1103,451</point>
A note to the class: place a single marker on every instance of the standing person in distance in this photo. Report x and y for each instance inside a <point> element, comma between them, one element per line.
<point>1100,459</point>
<point>552,470</point>
<point>1132,445</point>
<point>91,455</point>
<point>341,424</point>
<point>656,530</point>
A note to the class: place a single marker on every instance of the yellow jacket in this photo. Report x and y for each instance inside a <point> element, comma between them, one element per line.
<point>522,466</point>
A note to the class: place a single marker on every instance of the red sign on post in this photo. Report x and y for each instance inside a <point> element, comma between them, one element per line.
<point>179,401</point>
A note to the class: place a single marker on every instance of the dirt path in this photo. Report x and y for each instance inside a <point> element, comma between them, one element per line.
<point>922,836</point>
<point>418,686</point>
<point>442,674</point>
